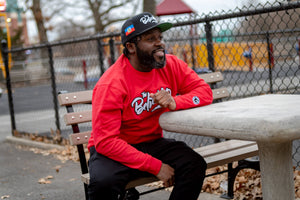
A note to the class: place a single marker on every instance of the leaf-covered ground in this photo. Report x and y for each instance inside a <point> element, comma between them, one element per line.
<point>247,184</point>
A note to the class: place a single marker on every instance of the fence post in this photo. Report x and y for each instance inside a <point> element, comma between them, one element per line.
<point>53,84</point>
<point>192,47</point>
<point>85,80</point>
<point>299,51</point>
<point>210,48</point>
<point>4,51</point>
<point>100,53</point>
<point>270,61</point>
<point>112,50</point>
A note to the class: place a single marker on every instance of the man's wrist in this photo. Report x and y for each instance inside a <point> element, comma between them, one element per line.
<point>172,105</point>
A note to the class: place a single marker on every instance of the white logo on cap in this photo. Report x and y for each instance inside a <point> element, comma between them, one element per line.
<point>148,19</point>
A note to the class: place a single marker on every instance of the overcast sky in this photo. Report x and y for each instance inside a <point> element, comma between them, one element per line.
<point>204,6</point>
<point>200,6</point>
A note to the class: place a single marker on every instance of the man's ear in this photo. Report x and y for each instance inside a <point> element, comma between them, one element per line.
<point>131,47</point>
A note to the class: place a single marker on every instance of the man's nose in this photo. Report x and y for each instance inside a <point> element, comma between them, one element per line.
<point>159,42</point>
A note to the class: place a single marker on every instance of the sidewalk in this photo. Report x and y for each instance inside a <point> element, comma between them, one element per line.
<point>22,169</point>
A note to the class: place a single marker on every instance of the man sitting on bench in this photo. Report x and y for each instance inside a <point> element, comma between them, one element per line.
<point>126,139</point>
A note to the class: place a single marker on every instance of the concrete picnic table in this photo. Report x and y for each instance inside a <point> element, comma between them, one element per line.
<point>273,121</point>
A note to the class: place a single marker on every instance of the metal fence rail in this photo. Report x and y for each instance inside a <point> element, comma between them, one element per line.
<point>256,48</point>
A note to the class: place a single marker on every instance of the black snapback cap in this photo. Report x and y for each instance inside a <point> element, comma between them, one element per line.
<point>139,24</point>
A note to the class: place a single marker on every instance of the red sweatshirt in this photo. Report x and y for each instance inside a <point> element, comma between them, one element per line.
<point>124,113</point>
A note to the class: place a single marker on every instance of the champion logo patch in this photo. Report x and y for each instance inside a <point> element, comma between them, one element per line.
<point>196,100</point>
<point>129,29</point>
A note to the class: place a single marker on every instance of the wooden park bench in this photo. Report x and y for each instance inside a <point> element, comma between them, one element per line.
<point>216,154</point>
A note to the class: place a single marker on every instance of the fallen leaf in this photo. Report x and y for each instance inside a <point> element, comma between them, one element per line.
<point>298,194</point>
<point>57,167</point>
<point>45,180</point>
<point>215,185</point>
<point>5,197</point>
<point>242,179</point>
<point>49,177</point>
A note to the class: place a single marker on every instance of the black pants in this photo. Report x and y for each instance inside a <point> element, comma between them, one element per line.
<point>108,178</point>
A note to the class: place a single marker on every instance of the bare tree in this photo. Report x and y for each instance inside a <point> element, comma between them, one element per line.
<point>92,15</point>
<point>150,6</point>
<point>67,31</point>
<point>43,13</point>
<point>102,12</point>
<point>39,20</point>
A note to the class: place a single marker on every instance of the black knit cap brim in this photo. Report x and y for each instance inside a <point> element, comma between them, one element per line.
<point>140,28</point>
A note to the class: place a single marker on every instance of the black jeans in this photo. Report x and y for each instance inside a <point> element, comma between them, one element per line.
<point>108,178</point>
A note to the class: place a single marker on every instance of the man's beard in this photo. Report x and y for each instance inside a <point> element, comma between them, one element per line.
<point>148,61</point>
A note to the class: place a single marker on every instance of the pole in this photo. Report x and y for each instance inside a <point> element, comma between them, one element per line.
<point>250,59</point>
<point>299,50</point>
<point>210,48</point>
<point>112,50</point>
<point>100,51</point>
<point>250,64</point>
<point>84,74</point>
<point>53,84</point>
<point>4,51</point>
<point>192,48</point>
<point>270,61</point>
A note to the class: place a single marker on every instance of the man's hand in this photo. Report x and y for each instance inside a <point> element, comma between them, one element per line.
<point>166,174</point>
<point>164,99</point>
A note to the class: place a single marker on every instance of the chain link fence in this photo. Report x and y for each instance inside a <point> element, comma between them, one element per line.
<point>255,47</point>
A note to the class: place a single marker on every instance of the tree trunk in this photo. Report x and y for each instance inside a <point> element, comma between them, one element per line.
<point>39,20</point>
<point>42,31</point>
<point>150,6</point>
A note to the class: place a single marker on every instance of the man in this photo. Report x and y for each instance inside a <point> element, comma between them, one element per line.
<point>126,139</point>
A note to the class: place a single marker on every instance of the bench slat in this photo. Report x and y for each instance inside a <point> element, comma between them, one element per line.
<point>212,77</point>
<point>220,93</point>
<point>85,178</point>
<point>141,181</point>
<point>231,156</point>
<point>80,138</point>
<point>221,147</point>
<point>78,117</point>
<point>71,98</point>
